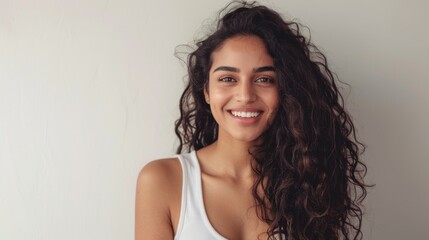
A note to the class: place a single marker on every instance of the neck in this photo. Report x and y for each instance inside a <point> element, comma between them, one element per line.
<point>228,157</point>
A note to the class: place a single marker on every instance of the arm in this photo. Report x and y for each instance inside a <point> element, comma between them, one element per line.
<point>152,210</point>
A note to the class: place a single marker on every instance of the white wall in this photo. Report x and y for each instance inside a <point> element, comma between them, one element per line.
<point>89,93</point>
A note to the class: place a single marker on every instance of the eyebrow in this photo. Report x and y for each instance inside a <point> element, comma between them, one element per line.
<point>256,70</point>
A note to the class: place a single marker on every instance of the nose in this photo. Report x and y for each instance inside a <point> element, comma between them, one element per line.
<point>246,92</point>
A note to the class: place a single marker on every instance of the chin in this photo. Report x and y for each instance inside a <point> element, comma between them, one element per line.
<point>249,138</point>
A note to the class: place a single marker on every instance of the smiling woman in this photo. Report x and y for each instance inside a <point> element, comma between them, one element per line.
<point>242,90</point>
<point>267,150</point>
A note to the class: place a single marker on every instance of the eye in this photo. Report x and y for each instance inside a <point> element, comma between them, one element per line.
<point>226,79</point>
<point>265,80</point>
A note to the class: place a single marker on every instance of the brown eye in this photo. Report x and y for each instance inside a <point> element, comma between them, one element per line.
<point>227,79</point>
<point>265,80</point>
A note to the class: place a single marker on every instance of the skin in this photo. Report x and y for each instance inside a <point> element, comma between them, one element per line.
<point>241,78</point>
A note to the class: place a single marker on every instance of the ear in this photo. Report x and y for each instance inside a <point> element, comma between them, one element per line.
<point>206,94</point>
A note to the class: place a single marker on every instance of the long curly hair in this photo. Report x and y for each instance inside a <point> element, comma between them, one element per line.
<point>308,164</point>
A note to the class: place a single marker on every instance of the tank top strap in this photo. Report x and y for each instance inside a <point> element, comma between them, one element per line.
<point>193,220</point>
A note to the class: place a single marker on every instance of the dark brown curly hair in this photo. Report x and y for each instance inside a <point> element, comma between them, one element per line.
<point>308,164</point>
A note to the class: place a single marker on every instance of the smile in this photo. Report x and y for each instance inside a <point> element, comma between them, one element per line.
<point>245,114</point>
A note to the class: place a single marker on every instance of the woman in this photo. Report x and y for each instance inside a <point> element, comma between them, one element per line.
<point>269,151</point>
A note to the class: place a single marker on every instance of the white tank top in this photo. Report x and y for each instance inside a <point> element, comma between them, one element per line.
<point>193,221</point>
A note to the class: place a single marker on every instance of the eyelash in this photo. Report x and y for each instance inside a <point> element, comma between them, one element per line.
<point>230,79</point>
<point>268,80</point>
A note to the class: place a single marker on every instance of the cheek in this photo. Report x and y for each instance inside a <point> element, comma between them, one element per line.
<point>272,103</point>
<point>272,100</point>
<point>219,96</point>
<point>276,102</point>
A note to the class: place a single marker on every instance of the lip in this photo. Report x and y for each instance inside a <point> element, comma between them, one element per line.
<point>246,121</point>
<point>245,110</point>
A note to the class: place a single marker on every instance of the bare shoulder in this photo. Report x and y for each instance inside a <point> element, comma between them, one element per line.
<point>160,170</point>
<point>157,193</point>
<point>160,176</point>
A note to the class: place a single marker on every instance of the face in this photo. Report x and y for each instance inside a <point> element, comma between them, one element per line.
<point>242,89</point>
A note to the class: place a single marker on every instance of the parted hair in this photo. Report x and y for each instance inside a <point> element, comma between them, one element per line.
<point>309,160</point>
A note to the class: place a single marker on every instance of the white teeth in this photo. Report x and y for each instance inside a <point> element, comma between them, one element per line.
<point>245,114</point>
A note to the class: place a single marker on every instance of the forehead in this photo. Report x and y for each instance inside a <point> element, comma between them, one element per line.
<point>244,51</point>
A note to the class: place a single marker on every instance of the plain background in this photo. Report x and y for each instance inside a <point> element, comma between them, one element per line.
<point>89,93</point>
